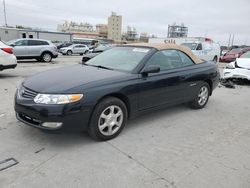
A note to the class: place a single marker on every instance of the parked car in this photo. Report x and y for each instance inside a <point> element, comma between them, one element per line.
<point>7,59</point>
<point>118,84</point>
<point>207,50</point>
<point>239,69</point>
<point>63,45</point>
<point>41,50</point>
<point>233,54</point>
<point>95,52</point>
<point>74,49</point>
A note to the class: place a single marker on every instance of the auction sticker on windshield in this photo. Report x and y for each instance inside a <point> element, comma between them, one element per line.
<point>142,50</point>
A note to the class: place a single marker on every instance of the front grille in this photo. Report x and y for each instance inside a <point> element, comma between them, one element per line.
<point>27,93</point>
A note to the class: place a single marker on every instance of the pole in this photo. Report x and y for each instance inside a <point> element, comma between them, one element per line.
<point>232,40</point>
<point>4,10</point>
<point>229,41</point>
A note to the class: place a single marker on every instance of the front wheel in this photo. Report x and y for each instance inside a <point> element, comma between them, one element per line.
<point>69,52</point>
<point>46,57</point>
<point>201,98</point>
<point>108,119</point>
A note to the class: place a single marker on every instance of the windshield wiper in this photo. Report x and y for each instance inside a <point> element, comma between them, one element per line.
<point>100,66</point>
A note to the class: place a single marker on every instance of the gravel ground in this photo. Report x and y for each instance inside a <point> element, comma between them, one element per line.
<point>176,147</point>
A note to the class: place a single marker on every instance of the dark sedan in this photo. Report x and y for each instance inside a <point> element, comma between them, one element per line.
<point>118,84</point>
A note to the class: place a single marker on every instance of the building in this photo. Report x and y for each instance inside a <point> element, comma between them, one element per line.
<point>131,34</point>
<point>144,37</point>
<point>102,29</point>
<point>8,33</point>
<point>177,31</point>
<point>75,27</point>
<point>115,27</point>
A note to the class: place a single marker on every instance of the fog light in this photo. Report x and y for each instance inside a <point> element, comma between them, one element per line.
<point>52,125</point>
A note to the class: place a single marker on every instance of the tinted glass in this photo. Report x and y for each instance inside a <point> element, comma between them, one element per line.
<point>245,55</point>
<point>37,43</point>
<point>170,59</point>
<point>120,58</point>
<point>191,46</point>
<point>185,59</point>
<point>21,43</point>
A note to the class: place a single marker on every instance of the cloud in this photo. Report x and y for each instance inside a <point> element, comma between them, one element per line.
<point>213,18</point>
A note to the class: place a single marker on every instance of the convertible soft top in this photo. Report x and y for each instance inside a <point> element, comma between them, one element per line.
<point>167,47</point>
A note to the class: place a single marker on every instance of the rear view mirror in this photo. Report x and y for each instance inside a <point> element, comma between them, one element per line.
<point>151,69</point>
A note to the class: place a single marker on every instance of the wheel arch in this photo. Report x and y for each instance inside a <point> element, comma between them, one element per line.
<point>210,83</point>
<point>120,96</point>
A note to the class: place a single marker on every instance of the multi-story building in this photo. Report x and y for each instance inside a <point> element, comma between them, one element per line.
<point>102,29</point>
<point>131,34</point>
<point>75,27</point>
<point>115,27</point>
<point>177,31</point>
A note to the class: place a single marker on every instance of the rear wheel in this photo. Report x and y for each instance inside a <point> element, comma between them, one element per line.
<point>69,52</point>
<point>201,98</point>
<point>108,119</point>
<point>46,57</point>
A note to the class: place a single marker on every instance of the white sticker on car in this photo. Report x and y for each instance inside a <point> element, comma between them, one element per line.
<point>142,50</point>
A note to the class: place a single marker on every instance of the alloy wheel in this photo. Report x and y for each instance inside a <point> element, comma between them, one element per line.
<point>110,120</point>
<point>203,96</point>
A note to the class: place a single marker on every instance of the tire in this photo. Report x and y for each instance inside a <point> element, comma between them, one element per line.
<point>69,52</point>
<point>46,57</point>
<point>215,59</point>
<point>108,119</point>
<point>201,98</point>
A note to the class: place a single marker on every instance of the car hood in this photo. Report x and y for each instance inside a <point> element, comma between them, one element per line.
<point>243,62</point>
<point>64,80</point>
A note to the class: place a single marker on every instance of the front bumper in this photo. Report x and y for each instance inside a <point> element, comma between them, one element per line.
<point>74,116</point>
<point>237,73</point>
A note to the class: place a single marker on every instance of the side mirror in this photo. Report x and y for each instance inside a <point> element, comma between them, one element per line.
<point>12,45</point>
<point>151,69</point>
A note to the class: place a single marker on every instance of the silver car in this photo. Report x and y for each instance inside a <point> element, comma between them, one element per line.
<point>74,49</point>
<point>41,50</point>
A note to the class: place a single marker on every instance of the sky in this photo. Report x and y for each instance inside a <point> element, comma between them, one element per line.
<point>216,19</point>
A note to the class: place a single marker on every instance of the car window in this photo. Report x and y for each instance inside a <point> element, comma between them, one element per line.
<point>37,43</point>
<point>170,59</point>
<point>199,46</point>
<point>185,59</point>
<point>120,58</point>
<point>245,55</point>
<point>191,46</point>
<point>21,43</point>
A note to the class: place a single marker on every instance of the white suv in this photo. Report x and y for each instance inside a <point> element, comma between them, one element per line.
<point>7,59</point>
<point>41,50</point>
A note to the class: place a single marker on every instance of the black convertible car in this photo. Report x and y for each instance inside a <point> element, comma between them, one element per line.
<point>100,95</point>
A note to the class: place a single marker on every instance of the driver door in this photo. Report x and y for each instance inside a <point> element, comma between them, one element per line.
<point>20,48</point>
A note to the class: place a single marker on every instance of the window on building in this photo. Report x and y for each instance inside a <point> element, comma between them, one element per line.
<point>24,35</point>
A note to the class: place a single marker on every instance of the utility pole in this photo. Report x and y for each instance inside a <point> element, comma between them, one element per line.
<point>229,41</point>
<point>232,40</point>
<point>4,10</point>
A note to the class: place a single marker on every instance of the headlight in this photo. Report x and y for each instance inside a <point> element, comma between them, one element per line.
<point>230,66</point>
<point>57,99</point>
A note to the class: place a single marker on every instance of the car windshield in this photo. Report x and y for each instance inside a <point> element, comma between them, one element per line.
<point>191,46</point>
<point>11,42</point>
<point>120,58</point>
<point>236,50</point>
<point>245,55</point>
